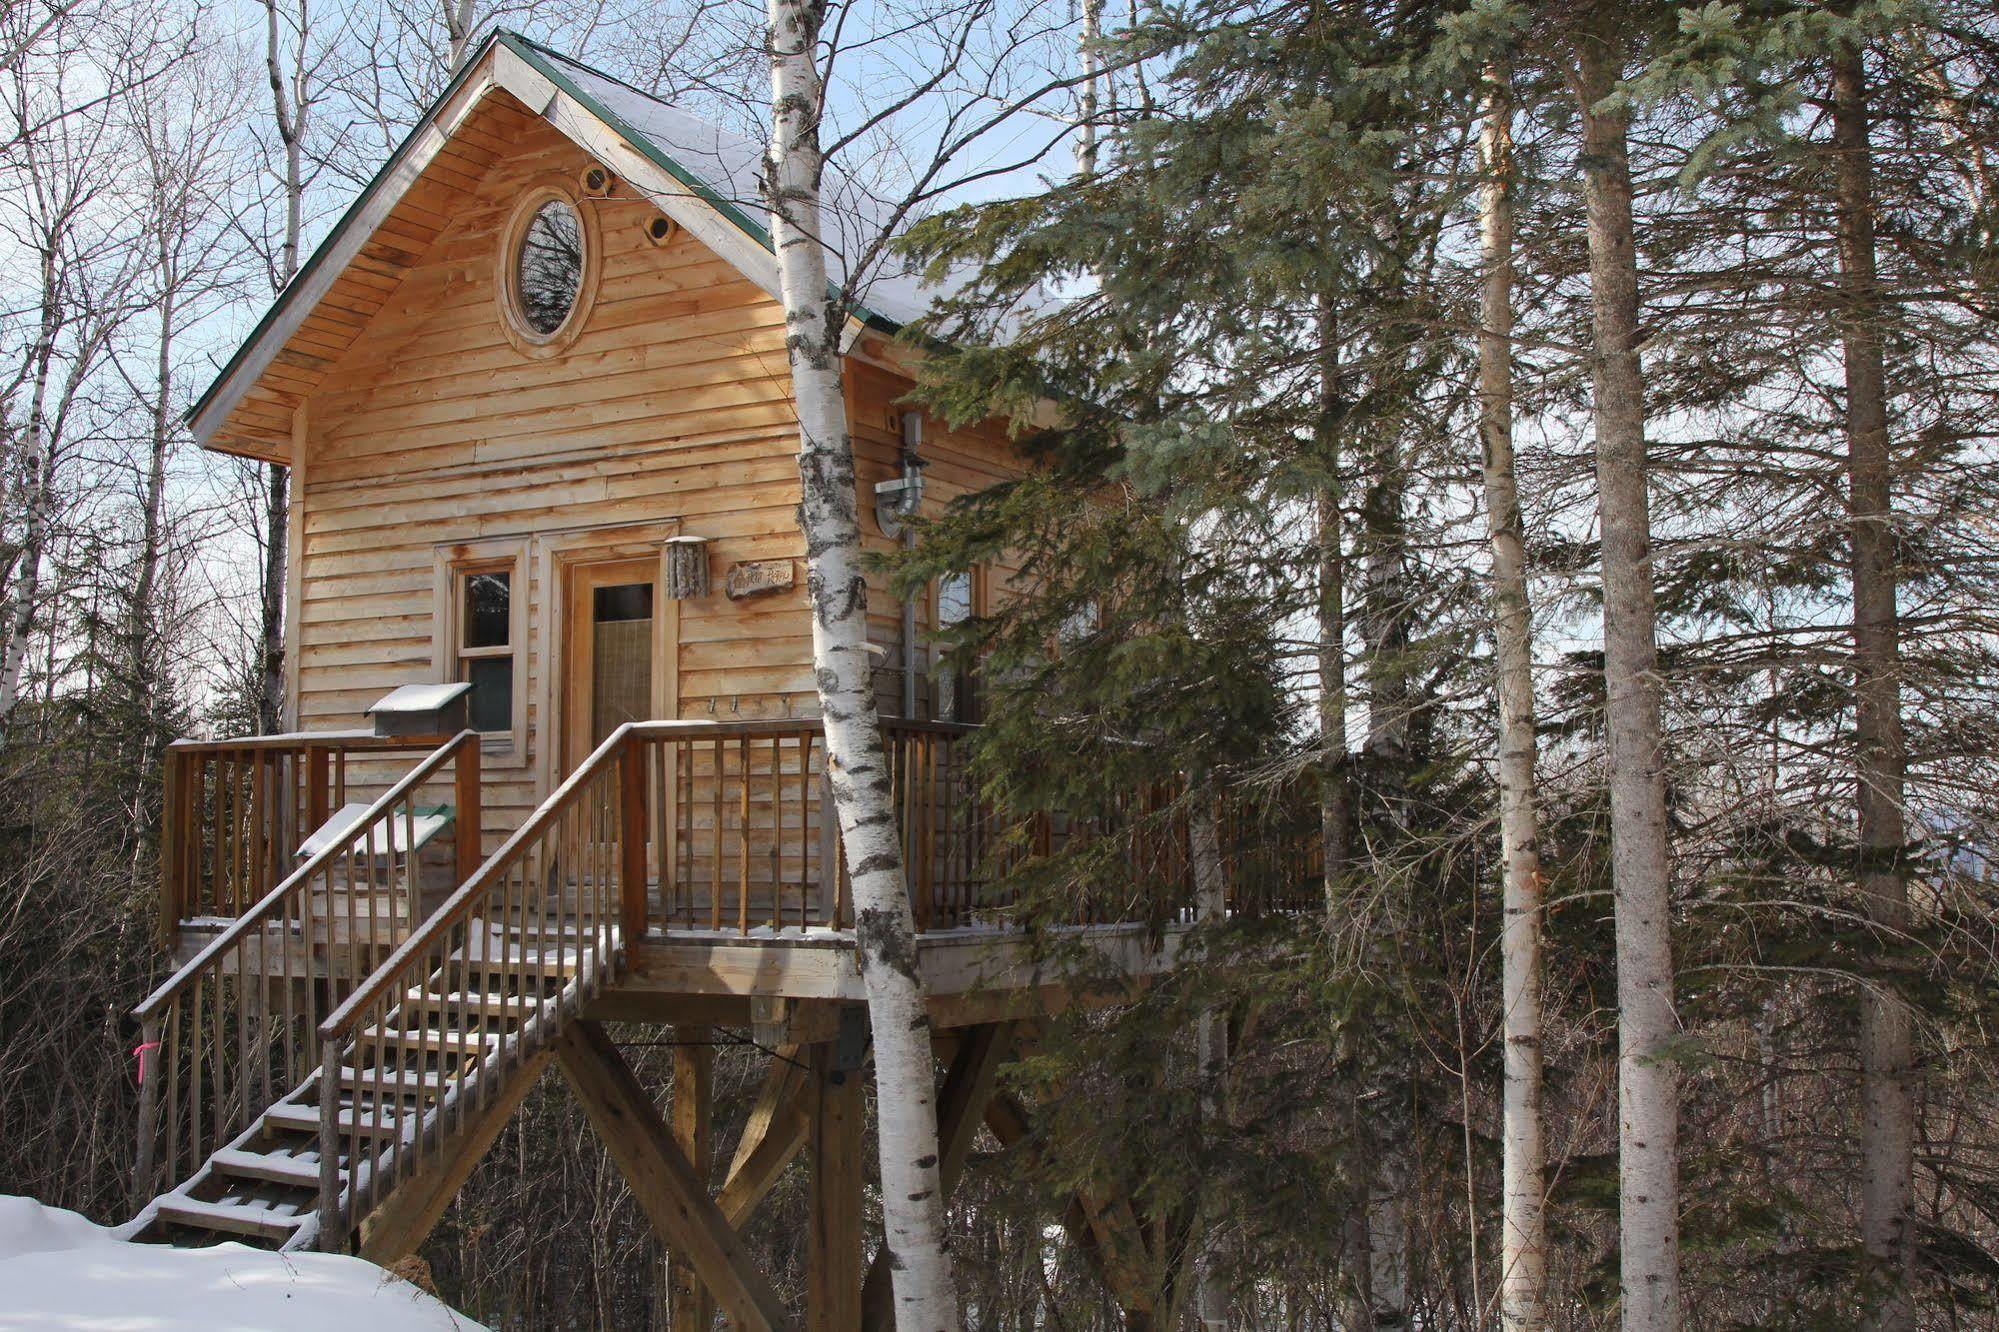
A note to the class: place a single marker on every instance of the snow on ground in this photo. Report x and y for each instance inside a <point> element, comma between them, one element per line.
<point>59,1271</point>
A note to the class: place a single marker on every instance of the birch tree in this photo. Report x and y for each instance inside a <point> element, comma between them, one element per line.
<point>1648,1076</point>
<point>926,1296</point>
<point>1523,1231</point>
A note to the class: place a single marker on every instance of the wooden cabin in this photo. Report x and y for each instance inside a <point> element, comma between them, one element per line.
<point>533,395</point>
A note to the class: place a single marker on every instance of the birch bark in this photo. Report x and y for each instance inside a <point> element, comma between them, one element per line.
<point>1648,1078</point>
<point>289,110</point>
<point>1887,1071</point>
<point>1523,1230</point>
<point>35,497</point>
<point>828,513</point>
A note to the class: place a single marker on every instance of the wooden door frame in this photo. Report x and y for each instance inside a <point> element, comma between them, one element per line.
<point>558,555</point>
<point>577,697</point>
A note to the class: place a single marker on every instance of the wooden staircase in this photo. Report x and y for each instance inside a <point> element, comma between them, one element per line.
<point>453,1025</point>
<point>395,1084</point>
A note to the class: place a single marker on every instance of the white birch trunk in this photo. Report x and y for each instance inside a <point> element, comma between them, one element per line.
<point>1648,1077</point>
<point>289,110</point>
<point>1086,108</point>
<point>926,1297</point>
<point>1523,1230</point>
<point>34,463</point>
<point>1887,1069</point>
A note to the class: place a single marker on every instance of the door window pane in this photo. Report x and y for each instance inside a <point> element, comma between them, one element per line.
<point>491,707</point>
<point>488,609</point>
<point>621,658</point>
<point>627,601</point>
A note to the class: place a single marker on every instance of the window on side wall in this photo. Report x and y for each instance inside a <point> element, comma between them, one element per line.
<point>957,685</point>
<point>481,636</point>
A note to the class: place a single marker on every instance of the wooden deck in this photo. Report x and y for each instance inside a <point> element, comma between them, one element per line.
<point>337,1042</point>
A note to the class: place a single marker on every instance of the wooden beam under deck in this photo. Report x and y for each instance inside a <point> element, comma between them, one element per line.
<point>974,978</point>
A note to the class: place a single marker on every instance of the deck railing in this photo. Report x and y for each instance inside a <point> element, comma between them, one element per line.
<point>235,810</point>
<point>236,1026</point>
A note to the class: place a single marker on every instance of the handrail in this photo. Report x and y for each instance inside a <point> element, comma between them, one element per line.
<point>258,914</point>
<point>358,740</point>
<point>456,906</point>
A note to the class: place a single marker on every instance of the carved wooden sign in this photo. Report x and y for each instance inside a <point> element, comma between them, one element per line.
<point>755,578</point>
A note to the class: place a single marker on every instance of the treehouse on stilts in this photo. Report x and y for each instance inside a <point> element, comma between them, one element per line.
<point>554,761</point>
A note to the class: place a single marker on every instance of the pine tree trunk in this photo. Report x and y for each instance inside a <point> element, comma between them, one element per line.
<point>1886,1057</point>
<point>1523,1230</point>
<point>1384,614</point>
<point>1204,846</point>
<point>1648,1077</point>
<point>1335,809</point>
<point>857,769</point>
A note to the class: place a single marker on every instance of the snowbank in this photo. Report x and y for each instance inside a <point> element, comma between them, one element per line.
<point>58,1271</point>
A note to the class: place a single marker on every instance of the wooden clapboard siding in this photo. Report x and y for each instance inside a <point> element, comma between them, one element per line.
<point>426,428</point>
<point>260,424</point>
<point>431,429</point>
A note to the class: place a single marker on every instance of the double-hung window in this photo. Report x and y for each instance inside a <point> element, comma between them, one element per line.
<point>486,646</point>
<point>481,635</point>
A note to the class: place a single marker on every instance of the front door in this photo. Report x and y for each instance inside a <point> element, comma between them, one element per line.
<point>612,642</point>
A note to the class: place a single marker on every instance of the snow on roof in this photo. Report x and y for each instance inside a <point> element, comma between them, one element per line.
<point>853,216</point>
<point>61,1273</point>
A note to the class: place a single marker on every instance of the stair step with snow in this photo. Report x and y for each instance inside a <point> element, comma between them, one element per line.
<point>404,1081</point>
<point>433,1039</point>
<point>369,1121</point>
<point>269,1167</point>
<point>235,1218</point>
<point>463,1001</point>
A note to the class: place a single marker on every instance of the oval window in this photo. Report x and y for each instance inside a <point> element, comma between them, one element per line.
<point>548,270</point>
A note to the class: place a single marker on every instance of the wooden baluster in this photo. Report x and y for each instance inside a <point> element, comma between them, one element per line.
<point>743,841</point>
<point>804,821</point>
<point>776,834</point>
<point>715,867</point>
<point>632,841</point>
<point>683,851</point>
<point>467,794</point>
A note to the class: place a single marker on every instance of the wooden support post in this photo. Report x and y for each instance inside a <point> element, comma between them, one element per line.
<point>398,1227</point>
<point>662,1179</point>
<point>632,840</point>
<point>1105,1230</point>
<point>772,1136</point>
<point>470,833</point>
<point>318,785</point>
<point>176,827</point>
<point>961,1108</point>
<point>833,1248</point>
<point>693,1115</point>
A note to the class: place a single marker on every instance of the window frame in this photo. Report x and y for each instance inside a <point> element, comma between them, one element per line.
<point>941,674</point>
<point>454,563</point>
<point>525,338</point>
